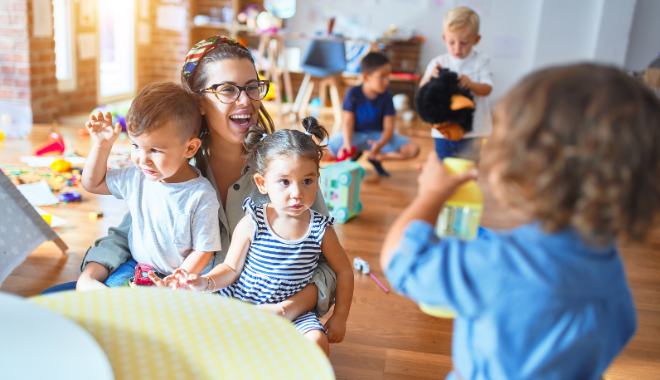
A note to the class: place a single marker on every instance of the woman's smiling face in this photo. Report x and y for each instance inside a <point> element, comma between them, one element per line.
<point>230,121</point>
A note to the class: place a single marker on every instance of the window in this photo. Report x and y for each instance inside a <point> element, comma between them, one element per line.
<point>65,62</point>
<point>117,49</point>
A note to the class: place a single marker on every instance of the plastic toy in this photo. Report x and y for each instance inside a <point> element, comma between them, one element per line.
<point>55,144</point>
<point>96,214</point>
<point>142,275</point>
<point>61,165</point>
<point>54,179</point>
<point>460,217</point>
<point>462,212</point>
<point>48,218</point>
<point>2,136</point>
<point>446,106</point>
<point>340,184</point>
<point>364,267</point>
<point>347,155</point>
<point>70,196</point>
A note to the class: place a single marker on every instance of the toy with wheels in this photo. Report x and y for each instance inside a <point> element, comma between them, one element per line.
<point>340,184</point>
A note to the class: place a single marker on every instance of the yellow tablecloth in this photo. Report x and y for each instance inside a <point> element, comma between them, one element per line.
<point>151,333</point>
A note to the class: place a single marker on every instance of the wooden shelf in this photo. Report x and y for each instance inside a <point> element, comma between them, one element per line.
<point>226,26</point>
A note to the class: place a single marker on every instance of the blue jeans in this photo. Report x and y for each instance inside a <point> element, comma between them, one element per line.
<point>119,278</point>
<point>466,148</point>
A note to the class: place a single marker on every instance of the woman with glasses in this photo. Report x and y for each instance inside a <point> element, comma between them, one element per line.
<point>223,74</point>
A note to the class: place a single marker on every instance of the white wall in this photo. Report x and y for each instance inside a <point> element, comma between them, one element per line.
<point>644,43</point>
<point>518,35</point>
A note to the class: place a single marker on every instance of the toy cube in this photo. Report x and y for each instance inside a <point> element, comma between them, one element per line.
<point>340,184</point>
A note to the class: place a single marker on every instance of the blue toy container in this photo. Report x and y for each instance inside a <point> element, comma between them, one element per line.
<point>340,184</point>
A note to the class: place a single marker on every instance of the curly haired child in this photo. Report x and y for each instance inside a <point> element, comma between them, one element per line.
<point>575,149</point>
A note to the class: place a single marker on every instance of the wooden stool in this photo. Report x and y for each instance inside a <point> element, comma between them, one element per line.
<point>305,93</point>
<point>275,45</point>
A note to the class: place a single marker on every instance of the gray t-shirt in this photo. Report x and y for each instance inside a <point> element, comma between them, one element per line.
<point>169,219</point>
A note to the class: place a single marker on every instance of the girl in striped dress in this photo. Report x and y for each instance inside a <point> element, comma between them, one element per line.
<point>276,247</point>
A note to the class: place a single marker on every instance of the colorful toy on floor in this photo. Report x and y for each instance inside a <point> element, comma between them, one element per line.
<point>340,184</point>
<point>364,267</point>
<point>96,214</point>
<point>70,196</point>
<point>347,155</point>
<point>2,136</point>
<point>55,179</point>
<point>61,165</point>
<point>55,144</point>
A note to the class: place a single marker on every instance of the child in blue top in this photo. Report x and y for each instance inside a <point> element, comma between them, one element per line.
<point>368,118</point>
<point>575,151</point>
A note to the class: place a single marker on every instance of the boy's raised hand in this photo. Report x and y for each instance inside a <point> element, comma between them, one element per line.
<point>101,129</point>
<point>436,181</point>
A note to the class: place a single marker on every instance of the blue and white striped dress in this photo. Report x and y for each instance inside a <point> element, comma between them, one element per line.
<point>275,268</point>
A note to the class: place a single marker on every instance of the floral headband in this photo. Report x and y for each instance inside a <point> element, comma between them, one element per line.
<point>200,49</point>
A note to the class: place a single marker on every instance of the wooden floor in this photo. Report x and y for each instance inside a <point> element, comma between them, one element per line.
<point>388,337</point>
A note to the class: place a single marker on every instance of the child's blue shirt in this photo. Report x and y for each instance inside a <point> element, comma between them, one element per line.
<point>530,305</point>
<point>369,113</point>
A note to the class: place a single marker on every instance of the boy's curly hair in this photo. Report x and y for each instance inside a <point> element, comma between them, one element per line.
<point>580,146</point>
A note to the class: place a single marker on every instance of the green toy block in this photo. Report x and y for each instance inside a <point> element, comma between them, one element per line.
<point>340,184</point>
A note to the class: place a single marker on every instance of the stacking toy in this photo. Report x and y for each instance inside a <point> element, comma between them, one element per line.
<point>55,144</point>
<point>459,218</point>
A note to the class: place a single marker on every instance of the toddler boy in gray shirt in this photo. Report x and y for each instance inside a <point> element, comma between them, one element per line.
<point>174,209</point>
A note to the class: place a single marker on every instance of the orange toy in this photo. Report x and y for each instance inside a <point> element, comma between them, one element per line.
<point>55,144</point>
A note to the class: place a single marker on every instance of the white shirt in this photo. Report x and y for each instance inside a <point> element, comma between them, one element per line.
<point>169,219</point>
<point>477,67</point>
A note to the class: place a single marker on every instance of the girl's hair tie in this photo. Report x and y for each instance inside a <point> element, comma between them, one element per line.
<point>308,134</point>
<point>263,136</point>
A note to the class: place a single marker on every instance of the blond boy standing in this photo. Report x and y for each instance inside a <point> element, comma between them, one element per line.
<point>461,34</point>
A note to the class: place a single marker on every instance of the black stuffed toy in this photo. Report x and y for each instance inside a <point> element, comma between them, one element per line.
<point>449,108</point>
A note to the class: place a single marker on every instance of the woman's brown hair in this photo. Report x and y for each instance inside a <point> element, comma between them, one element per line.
<point>580,146</point>
<point>197,81</point>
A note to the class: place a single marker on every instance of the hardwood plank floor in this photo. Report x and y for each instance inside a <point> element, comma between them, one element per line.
<point>388,337</point>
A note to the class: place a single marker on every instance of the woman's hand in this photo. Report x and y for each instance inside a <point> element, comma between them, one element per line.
<point>101,130</point>
<point>335,327</point>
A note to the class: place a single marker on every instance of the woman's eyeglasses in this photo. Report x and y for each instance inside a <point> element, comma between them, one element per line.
<point>227,93</point>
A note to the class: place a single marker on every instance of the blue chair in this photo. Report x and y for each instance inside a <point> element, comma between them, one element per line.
<point>324,59</point>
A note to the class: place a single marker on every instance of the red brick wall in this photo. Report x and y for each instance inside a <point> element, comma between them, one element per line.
<point>161,61</point>
<point>43,83</point>
<point>83,98</point>
<point>27,64</point>
<point>14,52</point>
